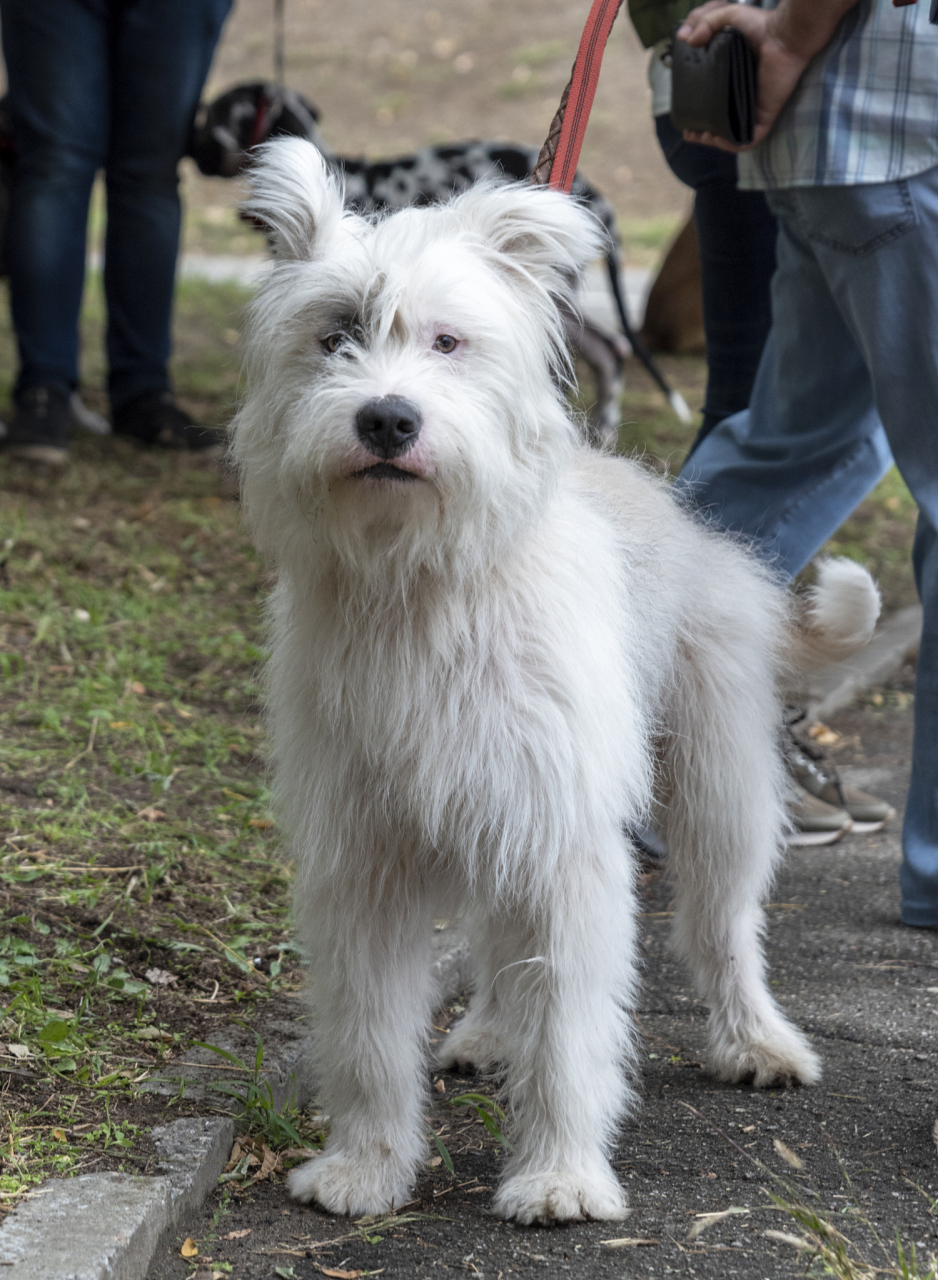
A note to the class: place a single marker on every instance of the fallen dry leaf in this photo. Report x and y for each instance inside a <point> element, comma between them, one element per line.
<point>786,1238</point>
<point>18,1050</point>
<point>154,1033</point>
<point>189,1248</point>
<point>262,824</point>
<point>270,1164</point>
<point>58,1135</point>
<point>705,1220</point>
<point>823,734</point>
<point>624,1242</point>
<point>238,1235</point>
<point>299,1153</point>
<point>787,1154</point>
<point>345,1275</point>
<point>149,814</point>
<point>160,977</point>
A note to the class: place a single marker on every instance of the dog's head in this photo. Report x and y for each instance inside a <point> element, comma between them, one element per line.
<point>405,376</point>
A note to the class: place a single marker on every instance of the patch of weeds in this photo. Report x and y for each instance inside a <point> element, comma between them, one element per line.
<point>486,1110</point>
<point>255,1096</point>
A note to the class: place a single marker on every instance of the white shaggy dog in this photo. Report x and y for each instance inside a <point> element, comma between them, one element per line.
<point>492,651</point>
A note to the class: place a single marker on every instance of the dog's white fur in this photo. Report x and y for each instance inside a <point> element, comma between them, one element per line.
<point>481,674</point>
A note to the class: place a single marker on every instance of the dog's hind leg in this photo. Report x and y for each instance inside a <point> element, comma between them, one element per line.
<point>563,992</point>
<point>474,1044</point>
<point>372,995</point>
<point>725,823</point>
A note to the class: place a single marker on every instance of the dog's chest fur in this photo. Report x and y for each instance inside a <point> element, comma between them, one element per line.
<point>448,702</point>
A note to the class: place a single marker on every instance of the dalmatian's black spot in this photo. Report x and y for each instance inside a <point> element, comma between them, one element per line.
<point>513,162</point>
<point>433,174</point>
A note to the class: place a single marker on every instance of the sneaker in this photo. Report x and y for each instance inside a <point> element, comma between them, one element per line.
<point>41,427</point>
<point>811,768</point>
<point>155,419</point>
<point>815,822</point>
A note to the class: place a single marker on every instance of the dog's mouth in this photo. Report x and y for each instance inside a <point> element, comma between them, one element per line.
<point>383,471</point>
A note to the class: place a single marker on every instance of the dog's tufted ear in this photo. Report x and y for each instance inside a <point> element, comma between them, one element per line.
<point>294,197</point>
<point>551,236</point>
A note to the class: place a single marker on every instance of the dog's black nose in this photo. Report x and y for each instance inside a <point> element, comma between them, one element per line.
<point>388,426</point>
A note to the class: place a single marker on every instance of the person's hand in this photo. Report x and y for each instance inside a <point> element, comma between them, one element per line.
<point>784,40</point>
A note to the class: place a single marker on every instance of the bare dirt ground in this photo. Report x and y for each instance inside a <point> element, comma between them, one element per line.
<point>391,77</point>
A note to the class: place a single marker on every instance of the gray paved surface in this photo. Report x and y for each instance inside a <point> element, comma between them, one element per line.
<point>865,989</point>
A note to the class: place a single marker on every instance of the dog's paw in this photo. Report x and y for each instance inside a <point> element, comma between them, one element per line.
<point>349,1185</point>
<point>780,1058</point>
<point>562,1196</point>
<point>469,1048</point>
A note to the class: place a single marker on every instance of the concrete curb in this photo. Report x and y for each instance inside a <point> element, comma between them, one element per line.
<point>107,1226</point>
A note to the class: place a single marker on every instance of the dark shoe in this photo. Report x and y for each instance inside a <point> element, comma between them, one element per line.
<point>41,427</point>
<point>809,765</point>
<point>156,419</point>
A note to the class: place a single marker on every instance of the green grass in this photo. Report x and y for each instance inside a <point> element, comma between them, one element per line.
<point>133,806</point>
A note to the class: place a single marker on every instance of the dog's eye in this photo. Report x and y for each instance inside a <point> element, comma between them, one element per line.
<point>445,343</point>
<point>333,341</point>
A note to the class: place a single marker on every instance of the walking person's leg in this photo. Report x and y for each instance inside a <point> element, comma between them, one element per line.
<point>736,232</point>
<point>878,247</point>
<point>856,310</point>
<point>56,56</point>
<point>161,51</point>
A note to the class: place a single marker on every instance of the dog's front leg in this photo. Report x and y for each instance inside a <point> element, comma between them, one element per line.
<point>371,998</point>
<point>563,1022</point>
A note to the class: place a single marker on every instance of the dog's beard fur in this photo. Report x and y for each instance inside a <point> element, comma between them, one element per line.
<point>481,671</point>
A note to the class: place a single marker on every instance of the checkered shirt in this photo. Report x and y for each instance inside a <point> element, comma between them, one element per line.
<point>866,109</point>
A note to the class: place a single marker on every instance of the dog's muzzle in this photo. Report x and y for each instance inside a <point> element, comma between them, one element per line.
<point>388,426</point>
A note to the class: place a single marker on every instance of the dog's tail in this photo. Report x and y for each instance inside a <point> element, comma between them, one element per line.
<point>834,618</point>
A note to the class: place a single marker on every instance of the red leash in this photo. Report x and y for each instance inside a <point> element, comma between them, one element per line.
<point>557,162</point>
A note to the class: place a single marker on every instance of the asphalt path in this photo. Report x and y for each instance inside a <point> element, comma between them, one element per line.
<point>858,1148</point>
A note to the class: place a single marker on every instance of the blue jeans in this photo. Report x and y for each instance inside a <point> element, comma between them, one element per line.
<point>113,85</point>
<point>737,258</point>
<point>849,373</point>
